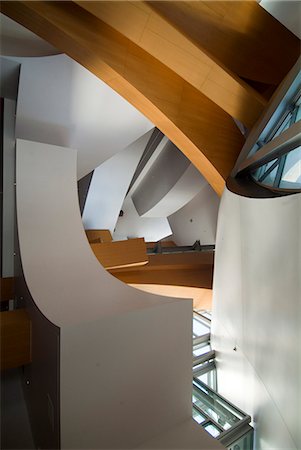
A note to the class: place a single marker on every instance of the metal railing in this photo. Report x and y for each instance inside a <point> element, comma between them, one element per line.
<point>196,247</point>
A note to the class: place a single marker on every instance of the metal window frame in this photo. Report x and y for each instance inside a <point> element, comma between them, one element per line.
<point>203,358</point>
<point>237,430</point>
<point>282,144</point>
<point>200,339</point>
<point>268,171</point>
<point>205,320</point>
<point>279,105</point>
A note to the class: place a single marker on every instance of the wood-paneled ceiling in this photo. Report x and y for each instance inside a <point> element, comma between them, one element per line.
<point>190,67</point>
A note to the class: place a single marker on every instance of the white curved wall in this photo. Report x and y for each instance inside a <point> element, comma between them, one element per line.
<point>109,185</point>
<point>256,310</point>
<point>181,193</point>
<point>57,259</point>
<point>125,356</point>
<point>62,103</point>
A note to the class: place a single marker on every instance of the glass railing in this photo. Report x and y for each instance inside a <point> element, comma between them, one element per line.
<point>220,418</point>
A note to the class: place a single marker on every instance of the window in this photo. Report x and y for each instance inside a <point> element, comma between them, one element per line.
<point>274,154</point>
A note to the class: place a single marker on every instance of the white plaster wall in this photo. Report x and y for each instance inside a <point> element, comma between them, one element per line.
<point>196,220</point>
<point>185,435</point>
<point>125,356</point>
<point>131,225</point>
<point>62,103</point>
<point>131,374</point>
<point>109,185</point>
<point>256,309</point>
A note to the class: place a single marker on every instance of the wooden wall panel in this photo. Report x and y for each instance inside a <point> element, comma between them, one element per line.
<point>141,24</point>
<point>240,35</point>
<point>99,235</point>
<point>199,278</point>
<point>180,269</point>
<point>15,334</point>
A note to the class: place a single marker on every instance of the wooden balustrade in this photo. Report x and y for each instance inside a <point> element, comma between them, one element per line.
<point>118,254</point>
<point>97,236</point>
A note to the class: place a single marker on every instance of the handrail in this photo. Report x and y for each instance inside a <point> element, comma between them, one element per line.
<point>196,247</point>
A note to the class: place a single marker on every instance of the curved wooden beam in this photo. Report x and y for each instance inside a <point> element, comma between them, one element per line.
<point>145,27</point>
<point>202,130</point>
<point>241,35</point>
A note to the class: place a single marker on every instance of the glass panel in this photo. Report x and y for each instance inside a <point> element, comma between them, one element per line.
<point>215,407</point>
<point>298,115</point>
<point>204,378</point>
<point>206,314</point>
<point>283,126</point>
<point>291,176</point>
<point>212,429</point>
<point>269,178</point>
<point>198,327</point>
<point>201,349</point>
<point>209,378</point>
<point>197,416</point>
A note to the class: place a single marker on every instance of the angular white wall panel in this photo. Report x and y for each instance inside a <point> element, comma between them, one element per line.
<point>125,356</point>
<point>109,186</point>
<point>181,193</point>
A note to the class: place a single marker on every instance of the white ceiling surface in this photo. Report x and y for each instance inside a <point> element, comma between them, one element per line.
<point>285,11</point>
<point>256,304</point>
<point>16,40</point>
<point>62,103</point>
<point>109,185</point>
